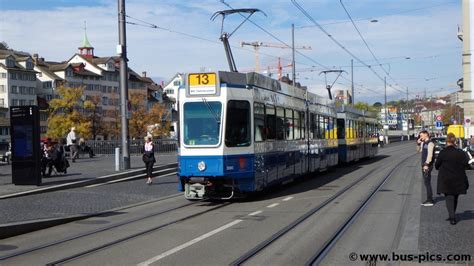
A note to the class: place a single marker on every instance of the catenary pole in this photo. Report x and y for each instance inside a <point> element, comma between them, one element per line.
<point>122,50</point>
<point>293,67</point>
<point>385,97</point>
<point>352,82</point>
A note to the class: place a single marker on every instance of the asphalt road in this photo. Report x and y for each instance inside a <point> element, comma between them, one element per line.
<point>173,231</point>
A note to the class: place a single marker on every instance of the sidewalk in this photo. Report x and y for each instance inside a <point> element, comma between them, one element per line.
<point>83,169</point>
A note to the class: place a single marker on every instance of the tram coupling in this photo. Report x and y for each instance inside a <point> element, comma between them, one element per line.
<point>206,188</point>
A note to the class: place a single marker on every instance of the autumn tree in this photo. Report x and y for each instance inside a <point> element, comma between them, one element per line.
<point>452,112</point>
<point>68,111</point>
<point>112,128</point>
<point>142,117</point>
<point>94,112</point>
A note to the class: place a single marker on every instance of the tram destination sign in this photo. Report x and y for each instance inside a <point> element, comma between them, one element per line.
<point>202,84</point>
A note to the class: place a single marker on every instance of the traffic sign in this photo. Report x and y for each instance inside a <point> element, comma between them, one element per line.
<point>439,117</point>
<point>467,121</point>
<point>439,125</point>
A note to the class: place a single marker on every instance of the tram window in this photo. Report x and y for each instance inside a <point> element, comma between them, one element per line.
<point>297,124</point>
<point>353,129</point>
<point>237,131</point>
<point>331,128</point>
<point>280,123</point>
<point>356,128</point>
<point>259,121</point>
<point>341,134</point>
<point>289,124</point>
<point>318,127</point>
<point>270,124</point>
<point>322,127</point>
<point>349,129</point>
<point>311,126</point>
<point>326,129</point>
<point>303,125</point>
<point>202,123</point>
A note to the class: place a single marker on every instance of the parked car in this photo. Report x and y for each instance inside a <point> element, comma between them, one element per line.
<point>440,144</point>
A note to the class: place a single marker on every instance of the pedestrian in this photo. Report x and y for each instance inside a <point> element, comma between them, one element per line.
<point>471,140</point>
<point>149,158</point>
<point>47,158</point>
<point>452,179</point>
<point>381,140</point>
<point>71,142</point>
<point>426,147</point>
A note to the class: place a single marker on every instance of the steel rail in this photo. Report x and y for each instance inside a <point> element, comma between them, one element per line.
<point>99,230</point>
<point>317,258</point>
<point>257,249</point>
<point>132,236</point>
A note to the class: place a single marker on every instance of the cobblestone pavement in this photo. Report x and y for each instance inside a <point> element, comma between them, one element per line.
<point>437,234</point>
<point>85,200</point>
<point>82,169</point>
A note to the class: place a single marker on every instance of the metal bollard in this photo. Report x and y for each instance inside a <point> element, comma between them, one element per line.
<point>117,159</point>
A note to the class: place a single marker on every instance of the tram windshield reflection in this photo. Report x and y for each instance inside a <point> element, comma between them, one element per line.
<point>202,123</point>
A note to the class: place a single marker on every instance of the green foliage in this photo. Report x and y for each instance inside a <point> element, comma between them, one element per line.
<point>64,113</point>
<point>366,107</point>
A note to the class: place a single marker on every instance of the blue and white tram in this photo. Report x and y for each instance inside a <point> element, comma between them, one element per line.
<point>356,135</point>
<point>240,133</point>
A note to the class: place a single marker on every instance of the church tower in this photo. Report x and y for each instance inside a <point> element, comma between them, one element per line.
<point>86,48</point>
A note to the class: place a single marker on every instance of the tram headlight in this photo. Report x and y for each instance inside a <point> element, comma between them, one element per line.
<point>202,166</point>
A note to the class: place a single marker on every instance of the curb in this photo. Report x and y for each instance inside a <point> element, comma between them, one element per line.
<point>92,181</point>
<point>15,229</point>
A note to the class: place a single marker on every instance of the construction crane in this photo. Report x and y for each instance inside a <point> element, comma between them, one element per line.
<point>256,46</point>
<point>279,68</point>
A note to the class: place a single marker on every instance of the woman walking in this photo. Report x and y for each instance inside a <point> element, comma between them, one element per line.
<point>452,179</point>
<point>149,158</point>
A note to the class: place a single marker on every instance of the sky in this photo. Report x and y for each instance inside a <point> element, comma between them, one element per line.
<point>411,43</point>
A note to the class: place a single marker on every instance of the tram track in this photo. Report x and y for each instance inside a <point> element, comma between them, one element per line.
<point>169,210</point>
<point>319,255</point>
<point>110,227</point>
<point>132,236</point>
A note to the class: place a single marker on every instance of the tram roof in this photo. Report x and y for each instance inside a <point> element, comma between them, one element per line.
<point>253,79</point>
<point>350,109</point>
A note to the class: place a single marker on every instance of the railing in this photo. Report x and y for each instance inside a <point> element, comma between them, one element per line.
<point>136,146</point>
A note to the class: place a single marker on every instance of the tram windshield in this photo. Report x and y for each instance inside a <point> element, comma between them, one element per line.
<point>202,123</point>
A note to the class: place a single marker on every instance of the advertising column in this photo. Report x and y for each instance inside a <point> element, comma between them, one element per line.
<point>25,138</point>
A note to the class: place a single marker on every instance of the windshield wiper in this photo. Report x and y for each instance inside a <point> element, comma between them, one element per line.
<point>209,107</point>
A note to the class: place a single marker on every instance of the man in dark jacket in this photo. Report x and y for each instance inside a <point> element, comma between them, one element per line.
<point>426,147</point>
<point>452,179</point>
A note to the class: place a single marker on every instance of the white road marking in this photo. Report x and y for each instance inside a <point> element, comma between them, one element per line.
<point>255,213</point>
<point>273,205</point>
<point>189,243</point>
<point>287,199</point>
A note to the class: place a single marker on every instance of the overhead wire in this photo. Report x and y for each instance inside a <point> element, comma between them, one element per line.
<point>289,46</point>
<point>365,42</point>
<point>154,26</point>
<point>305,13</point>
<point>391,14</point>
